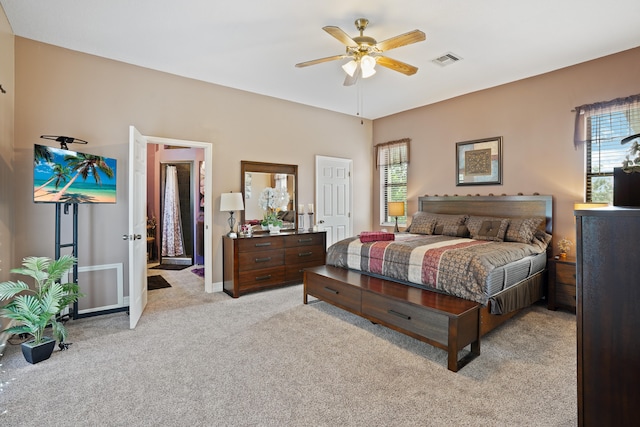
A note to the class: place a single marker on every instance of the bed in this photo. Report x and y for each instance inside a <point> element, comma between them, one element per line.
<point>504,269</point>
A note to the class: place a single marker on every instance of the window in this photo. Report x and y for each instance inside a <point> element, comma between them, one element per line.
<point>393,162</point>
<point>605,125</point>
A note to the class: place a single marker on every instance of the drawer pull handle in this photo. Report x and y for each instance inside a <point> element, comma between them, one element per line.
<point>333,291</point>
<point>305,240</point>
<point>258,245</point>
<point>395,313</point>
<point>267,277</point>
<point>267,259</point>
<point>301,254</point>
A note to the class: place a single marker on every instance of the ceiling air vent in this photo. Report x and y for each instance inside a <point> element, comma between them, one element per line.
<point>447,59</point>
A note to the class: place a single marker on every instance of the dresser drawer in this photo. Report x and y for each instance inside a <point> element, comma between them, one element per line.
<point>304,240</point>
<point>260,259</point>
<point>407,316</point>
<point>337,293</point>
<point>304,254</point>
<point>296,272</point>
<point>566,273</point>
<point>259,244</point>
<point>260,278</point>
<point>566,294</point>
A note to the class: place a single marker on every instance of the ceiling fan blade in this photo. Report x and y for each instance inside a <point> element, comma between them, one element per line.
<point>401,40</point>
<point>396,65</point>
<point>342,37</point>
<point>320,60</point>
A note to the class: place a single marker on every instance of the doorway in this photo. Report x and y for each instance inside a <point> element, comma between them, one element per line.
<point>176,234</point>
<point>138,182</point>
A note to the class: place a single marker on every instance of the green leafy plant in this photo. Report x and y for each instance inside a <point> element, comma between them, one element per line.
<point>271,218</point>
<point>35,309</point>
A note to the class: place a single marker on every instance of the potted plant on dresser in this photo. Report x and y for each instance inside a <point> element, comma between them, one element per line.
<point>33,310</point>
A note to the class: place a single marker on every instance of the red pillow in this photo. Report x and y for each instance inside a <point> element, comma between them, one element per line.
<point>376,236</point>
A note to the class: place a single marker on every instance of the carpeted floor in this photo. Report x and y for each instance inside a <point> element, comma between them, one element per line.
<point>265,359</point>
<point>157,282</point>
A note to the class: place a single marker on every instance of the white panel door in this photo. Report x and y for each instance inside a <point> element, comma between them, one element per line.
<point>137,235</point>
<point>333,197</point>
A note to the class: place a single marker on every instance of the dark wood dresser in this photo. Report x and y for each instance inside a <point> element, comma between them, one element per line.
<point>608,316</point>
<point>267,261</point>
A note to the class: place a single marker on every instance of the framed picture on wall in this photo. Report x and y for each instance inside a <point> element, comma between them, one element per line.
<point>479,162</point>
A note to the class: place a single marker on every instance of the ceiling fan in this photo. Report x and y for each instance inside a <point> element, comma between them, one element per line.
<point>365,52</point>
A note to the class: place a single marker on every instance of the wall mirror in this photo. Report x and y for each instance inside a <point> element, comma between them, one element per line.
<point>256,177</point>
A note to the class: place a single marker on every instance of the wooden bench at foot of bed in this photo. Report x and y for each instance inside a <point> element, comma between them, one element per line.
<point>441,320</point>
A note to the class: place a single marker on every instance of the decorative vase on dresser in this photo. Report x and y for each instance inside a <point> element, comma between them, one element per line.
<point>266,261</point>
<point>608,316</point>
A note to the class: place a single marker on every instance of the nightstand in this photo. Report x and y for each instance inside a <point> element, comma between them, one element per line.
<point>562,283</point>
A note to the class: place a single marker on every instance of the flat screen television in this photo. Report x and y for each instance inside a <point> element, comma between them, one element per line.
<point>65,176</point>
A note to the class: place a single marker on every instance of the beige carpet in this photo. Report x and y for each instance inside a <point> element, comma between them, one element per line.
<point>266,359</point>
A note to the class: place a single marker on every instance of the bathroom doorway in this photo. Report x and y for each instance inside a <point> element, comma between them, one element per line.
<point>177,233</point>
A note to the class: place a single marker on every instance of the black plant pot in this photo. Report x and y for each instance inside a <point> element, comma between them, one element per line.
<point>37,353</point>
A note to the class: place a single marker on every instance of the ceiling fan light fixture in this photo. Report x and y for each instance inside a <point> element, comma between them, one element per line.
<point>367,63</point>
<point>350,67</point>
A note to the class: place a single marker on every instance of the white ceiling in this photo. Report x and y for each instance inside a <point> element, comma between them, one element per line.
<point>253,45</point>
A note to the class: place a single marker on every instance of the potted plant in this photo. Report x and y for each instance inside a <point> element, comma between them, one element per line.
<point>565,246</point>
<point>33,310</point>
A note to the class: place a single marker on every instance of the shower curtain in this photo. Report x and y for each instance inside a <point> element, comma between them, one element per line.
<point>172,240</point>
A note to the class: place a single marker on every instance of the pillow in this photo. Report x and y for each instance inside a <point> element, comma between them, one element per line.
<point>522,230</point>
<point>487,228</point>
<point>449,225</point>
<point>422,224</point>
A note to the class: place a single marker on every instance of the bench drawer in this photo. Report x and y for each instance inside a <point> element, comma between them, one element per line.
<point>339,294</point>
<point>416,319</point>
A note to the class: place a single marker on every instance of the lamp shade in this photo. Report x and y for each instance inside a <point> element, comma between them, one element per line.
<point>350,67</point>
<point>395,208</point>
<point>368,64</point>
<point>230,202</point>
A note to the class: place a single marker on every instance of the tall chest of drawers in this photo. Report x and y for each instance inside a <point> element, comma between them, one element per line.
<point>608,317</point>
<point>267,261</point>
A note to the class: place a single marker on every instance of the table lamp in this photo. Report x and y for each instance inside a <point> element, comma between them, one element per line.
<point>230,202</point>
<point>396,209</point>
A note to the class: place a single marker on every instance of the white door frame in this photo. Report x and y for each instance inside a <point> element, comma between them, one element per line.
<point>208,207</point>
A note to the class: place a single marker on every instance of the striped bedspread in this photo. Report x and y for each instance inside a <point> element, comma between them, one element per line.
<point>453,265</point>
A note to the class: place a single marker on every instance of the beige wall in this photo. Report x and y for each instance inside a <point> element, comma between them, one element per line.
<point>62,92</point>
<point>535,120</point>
<point>6,146</point>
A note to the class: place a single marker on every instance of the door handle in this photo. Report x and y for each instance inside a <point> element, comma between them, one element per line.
<point>321,221</point>
<point>134,237</point>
